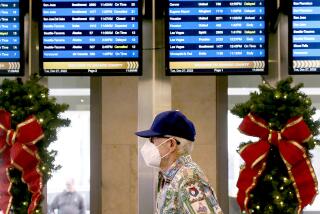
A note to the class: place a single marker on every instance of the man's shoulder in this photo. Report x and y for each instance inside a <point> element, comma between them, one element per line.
<point>62,194</point>
<point>69,194</point>
<point>77,194</point>
<point>191,171</point>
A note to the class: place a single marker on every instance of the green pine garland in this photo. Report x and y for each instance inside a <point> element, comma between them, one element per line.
<point>274,192</point>
<point>22,100</point>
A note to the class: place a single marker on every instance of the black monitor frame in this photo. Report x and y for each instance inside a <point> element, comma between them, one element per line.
<point>102,72</point>
<point>204,72</point>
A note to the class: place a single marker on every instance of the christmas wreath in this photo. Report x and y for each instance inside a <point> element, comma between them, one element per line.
<point>277,175</point>
<point>29,121</point>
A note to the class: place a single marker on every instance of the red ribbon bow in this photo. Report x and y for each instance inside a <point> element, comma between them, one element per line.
<point>18,150</point>
<point>288,141</point>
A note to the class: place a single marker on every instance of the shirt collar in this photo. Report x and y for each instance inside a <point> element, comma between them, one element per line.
<point>169,174</point>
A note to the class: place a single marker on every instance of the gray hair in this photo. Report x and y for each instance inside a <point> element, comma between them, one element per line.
<point>185,146</point>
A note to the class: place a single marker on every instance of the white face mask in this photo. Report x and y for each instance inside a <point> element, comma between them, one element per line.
<point>151,154</point>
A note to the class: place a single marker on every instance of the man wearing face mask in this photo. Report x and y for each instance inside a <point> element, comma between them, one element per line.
<point>182,186</point>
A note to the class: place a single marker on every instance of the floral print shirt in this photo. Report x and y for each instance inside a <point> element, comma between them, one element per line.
<point>184,189</point>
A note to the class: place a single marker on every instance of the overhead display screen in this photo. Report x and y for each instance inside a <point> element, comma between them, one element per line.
<point>304,42</point>
<point>11,44</point>
<point>90,37</point>
<point>216,37</point>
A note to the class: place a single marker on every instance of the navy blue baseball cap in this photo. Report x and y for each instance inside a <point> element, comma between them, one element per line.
<point>170,123</point>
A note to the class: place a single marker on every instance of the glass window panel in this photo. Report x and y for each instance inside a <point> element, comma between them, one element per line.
<point>73,143</point>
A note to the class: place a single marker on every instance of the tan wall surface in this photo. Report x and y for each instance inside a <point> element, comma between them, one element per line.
<point>196,97</point>
<point>119,148</point>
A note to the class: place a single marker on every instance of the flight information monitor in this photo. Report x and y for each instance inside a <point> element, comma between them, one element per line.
<point>216,37</point>
<point>304,39</point>
<point>90,37</point>
<point>11,44</point>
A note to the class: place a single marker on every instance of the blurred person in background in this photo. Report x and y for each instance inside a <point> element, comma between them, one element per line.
<point>69,201</point>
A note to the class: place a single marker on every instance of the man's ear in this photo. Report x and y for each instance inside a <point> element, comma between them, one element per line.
<point>173,143</point>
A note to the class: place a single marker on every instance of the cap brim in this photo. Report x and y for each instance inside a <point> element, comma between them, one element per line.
<point>148,133</point>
